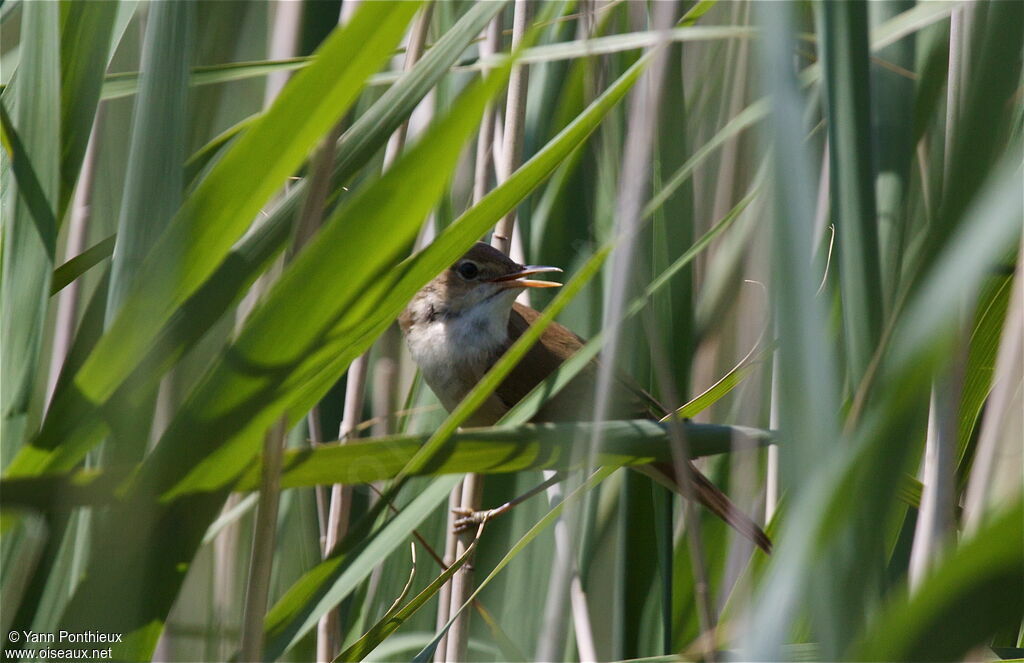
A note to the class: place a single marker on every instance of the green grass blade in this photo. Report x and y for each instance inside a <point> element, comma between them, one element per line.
<point>970,596</point>
<point>719,389</point>
<point>207,153</point>
<point>845,42</point>
<point>86,32</point>
<point>28,256</point>
<point>807,386</point>
<point>483,451</point>
<point>80,264</point>
<point>991,223</point>
<point>126,83</point>
<point>986,121</point>
<point>981,360</point>
<point>153,186</point>
<point>29,187</point>
<point>153,183</point>
<point>892,103</point>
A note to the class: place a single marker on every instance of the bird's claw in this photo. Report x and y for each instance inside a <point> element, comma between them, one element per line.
<point>468,519</point>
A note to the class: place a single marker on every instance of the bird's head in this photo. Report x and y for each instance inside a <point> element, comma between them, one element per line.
<point>483,277</point>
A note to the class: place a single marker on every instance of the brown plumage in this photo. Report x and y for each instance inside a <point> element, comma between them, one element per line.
<point>460,323</point>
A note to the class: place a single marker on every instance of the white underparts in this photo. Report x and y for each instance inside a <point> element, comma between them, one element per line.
<point>454,352</point>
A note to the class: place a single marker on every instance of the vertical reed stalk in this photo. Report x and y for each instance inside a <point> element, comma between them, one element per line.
<point>328,628</point>
<point>515,112</point>
<point>78,230</point>
<point>258,586</point>
<point>511,153</point>
<point>771,490</point>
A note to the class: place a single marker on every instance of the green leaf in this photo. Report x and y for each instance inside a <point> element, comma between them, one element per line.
<point>892,102</point>
<point>983,346</point>
<point>153,187</point>
<point>28,248</point>
<point>204,155</point>
<point>126,83</point>
<point>694,13</point>
<point>720,388</point>
<point>845,49</point>
<point>972,594</point>
<point>80,264</point>
<point>807,388</point>
<point>29,186</point>
<point>979,137</point>
<point>991,222</point>
<point>483,451</point>
<point>499,450</point>
<point>85,44</point>
<point>153,183</point>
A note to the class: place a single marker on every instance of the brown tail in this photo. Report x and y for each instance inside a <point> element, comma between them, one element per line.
<point>711,497</point>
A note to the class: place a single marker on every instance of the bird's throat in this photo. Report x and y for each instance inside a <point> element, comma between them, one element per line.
<point>455,351</point>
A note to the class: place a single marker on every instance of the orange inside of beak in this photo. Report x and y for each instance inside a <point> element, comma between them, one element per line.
<point>519,280</point>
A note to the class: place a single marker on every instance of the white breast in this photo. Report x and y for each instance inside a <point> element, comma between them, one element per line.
<point>454,353</point>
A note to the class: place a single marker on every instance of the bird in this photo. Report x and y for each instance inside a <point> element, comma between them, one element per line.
<point>461,322</point>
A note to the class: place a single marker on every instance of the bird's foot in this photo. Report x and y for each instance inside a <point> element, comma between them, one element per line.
<point>469,519</point>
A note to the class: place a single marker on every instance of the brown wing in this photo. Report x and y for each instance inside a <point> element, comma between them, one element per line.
<point>575,401</point>
<point>555,345</point>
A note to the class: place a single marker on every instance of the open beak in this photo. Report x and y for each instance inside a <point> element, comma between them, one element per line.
<point>519,280</point>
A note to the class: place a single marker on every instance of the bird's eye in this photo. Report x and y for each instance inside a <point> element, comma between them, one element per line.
<point>468,270</point>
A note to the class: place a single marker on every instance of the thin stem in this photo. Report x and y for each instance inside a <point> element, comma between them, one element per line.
<point>328,629</point>
<point>485,141</point>
<point>454,645</point>
<point>515,113</point>
<point>316,438</point>
<point>462,582</point>
<point>683,469</point>
<point>78,230</point>
<point>444,602</point>
<point>258,585</point>
<point>771,490</point>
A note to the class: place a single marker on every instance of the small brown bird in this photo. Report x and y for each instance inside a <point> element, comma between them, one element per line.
<point>461,323</point>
